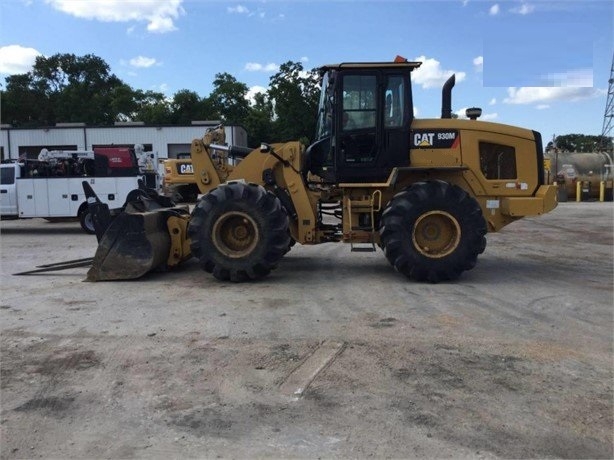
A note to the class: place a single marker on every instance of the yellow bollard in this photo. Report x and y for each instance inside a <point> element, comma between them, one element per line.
<point>579,191</point>
<point>602,190</point>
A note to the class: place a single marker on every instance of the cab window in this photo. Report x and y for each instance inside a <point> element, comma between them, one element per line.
<point>394,97</point>
<point>359,102</point>
<point>7,176</point>
<point>357,139</point>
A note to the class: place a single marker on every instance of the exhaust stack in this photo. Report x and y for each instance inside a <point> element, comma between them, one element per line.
<point>446,97</point>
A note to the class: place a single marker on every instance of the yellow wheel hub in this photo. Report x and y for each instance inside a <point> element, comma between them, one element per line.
<point>436,234</point>
<point>235,234</point>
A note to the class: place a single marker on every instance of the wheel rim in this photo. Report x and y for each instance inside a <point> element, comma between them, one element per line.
<point>235,234</point>
<point>436,234</point>
<point>89,222</point>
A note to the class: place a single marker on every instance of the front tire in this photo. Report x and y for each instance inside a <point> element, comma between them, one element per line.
<point>239,232</point>
<point>86,221</point>
<point>433,231</point>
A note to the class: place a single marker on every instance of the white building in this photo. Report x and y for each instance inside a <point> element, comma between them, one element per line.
<point>167,141</point>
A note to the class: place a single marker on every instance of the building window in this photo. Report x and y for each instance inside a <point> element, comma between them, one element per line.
<point>497,161</point>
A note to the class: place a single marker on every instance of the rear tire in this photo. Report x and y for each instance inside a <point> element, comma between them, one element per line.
<point>433,231</point>
<point>86,221</point>
<point>239,232</point>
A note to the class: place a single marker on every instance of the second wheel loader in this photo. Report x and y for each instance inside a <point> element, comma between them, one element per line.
<point>425,191</point>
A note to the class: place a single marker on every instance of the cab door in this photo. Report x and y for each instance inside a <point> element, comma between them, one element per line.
<point>357,127</point>
<point>372,125</point>
<point>396,121</point>
<point>8,190</point>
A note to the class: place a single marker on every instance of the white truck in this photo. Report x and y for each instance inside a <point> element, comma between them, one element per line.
<point>51,187</point>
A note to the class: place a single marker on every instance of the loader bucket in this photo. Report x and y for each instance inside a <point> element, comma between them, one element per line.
<point>133,245</point>
<point>135,239</point>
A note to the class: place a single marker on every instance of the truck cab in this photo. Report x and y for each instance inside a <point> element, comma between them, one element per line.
<point>9,173</point>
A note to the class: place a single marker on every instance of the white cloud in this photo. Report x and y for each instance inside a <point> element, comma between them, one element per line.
<point>159,14</point>
<point>304,59</point>
<point>143,62</point>
<point>17,59</point>
<point>254,13</point>
<point>256,67</point>
<point>523,9</point>
<point>460,113</point>
<point>493,101</point>
<point>431,75</point>
<point>494,10</point>
<point>542,107</point>
<point>239,9</point>
<point>572,86</point>
<point>573,78</point>
<point>478,63</point>
<point>251,93</point>
<point>535,94</point>
<point>161,25</point>
<point>161,88</point>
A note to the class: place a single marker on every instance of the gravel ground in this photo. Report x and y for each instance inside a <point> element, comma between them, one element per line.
<point>514,360</point>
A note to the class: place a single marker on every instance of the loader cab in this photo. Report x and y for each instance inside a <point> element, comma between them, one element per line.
<point>364,117</point>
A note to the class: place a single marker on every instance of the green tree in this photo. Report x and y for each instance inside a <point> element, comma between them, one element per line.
<point>152,108</point>
<point>188,106</point>
<point>22,104</point>
<point>580,143</point>
<point>66,88</point>
<point>605,143</point>
<point>294,93</point>
<point>70,88</point>
<point>78,88</point>
<point>123,103</point>
<point>259,121</point>
<point>229,99</point>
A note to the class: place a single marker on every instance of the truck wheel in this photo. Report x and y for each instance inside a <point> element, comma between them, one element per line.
<point>433,231</point>
<point>86,221</point>
<point>239,232</point>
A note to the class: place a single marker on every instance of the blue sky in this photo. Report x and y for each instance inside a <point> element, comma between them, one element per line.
<point>540,64</point>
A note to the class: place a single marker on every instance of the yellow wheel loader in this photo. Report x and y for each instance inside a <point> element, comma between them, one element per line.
<point>179,182</point>
<point>425,191</point>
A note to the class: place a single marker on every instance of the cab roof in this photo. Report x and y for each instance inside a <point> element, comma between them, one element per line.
<point>405,65</point>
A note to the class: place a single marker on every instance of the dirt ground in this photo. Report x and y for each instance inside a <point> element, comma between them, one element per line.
<point>514,360</point>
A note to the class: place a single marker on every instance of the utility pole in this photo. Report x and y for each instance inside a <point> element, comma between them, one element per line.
<point>609,112</point>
